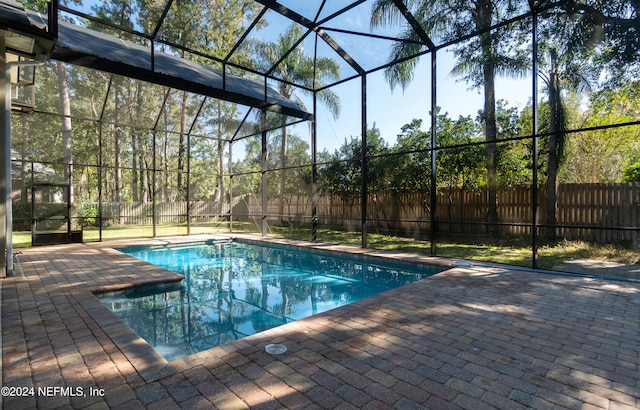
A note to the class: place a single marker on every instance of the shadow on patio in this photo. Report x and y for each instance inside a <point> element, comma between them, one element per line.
<point>466,338</point>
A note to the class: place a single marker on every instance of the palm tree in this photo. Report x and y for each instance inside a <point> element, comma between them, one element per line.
<point>480,59</point>
<point>565,68</point>
<point>301,74</point>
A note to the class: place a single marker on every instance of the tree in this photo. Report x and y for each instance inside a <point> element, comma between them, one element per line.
<point>563,66</point>
<point>124,101</point>
<point>585,40</point>
<point>297,179</point>
<point>338,173</point>
<point>412,160</point>
<point>195,26</point>
<point>514,154</point>
<point>557,127</point>
<point>65,113</point>
<point>490,53</point>
<point>341,173</point>
<point>65,110</point>
<point>631,173</point>
<point>344,170</point>
<point>605,154</point>
<point>300,73</point>
<point>459,162</point>
<point>610,30</point>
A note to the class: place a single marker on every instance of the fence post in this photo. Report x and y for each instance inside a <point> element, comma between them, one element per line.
<point>635,196</point>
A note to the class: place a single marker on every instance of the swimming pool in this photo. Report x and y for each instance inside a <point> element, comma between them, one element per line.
<point>234,289</point>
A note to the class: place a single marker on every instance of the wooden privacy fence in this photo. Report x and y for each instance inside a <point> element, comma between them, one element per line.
<point>600,205</point>
<point>141,213</point>
<point>584,211</point>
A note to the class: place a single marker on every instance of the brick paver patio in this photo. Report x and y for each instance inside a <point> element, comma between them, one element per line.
<point>469,338</point>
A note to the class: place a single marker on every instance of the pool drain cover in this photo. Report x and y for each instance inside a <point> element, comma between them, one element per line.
<point>275,348</point>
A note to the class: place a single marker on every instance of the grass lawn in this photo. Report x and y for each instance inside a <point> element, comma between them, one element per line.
<point>512,250</point>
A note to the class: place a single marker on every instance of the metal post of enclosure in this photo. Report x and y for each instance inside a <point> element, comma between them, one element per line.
<point>6,210</point>
<point>314,158</point>
<point>154,172</point>
<point>188,193</point>
<point>434,144</point>
<point>229,197</point>
<point>100,170</point>
<point>263,185</point>
<point>534,167</point>
<point>5,153</point>
<point>101,212</point>
<point>188,189</point>
<point>314,172</point>
<point>365,182</point>
<point>154,196</point>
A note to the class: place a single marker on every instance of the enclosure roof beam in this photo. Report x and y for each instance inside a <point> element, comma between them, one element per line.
<point>88,48</point>
<point>26,34</point>
<point>310,25</point>
<point>81,46</point>
<point>414,24</point>
<point>290,14</point>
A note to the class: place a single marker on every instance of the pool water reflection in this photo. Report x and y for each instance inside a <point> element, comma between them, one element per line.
<point>233,289</point>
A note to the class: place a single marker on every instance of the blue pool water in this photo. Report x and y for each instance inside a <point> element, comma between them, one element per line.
<point>233,289</point>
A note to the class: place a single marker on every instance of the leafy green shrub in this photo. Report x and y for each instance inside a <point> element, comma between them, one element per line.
<point>88,216</point>
<point>631,173</point>
<point>22,216</point>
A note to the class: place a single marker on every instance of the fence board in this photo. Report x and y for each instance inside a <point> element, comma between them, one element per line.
<point>141,213</point>
<point>580,208</point>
